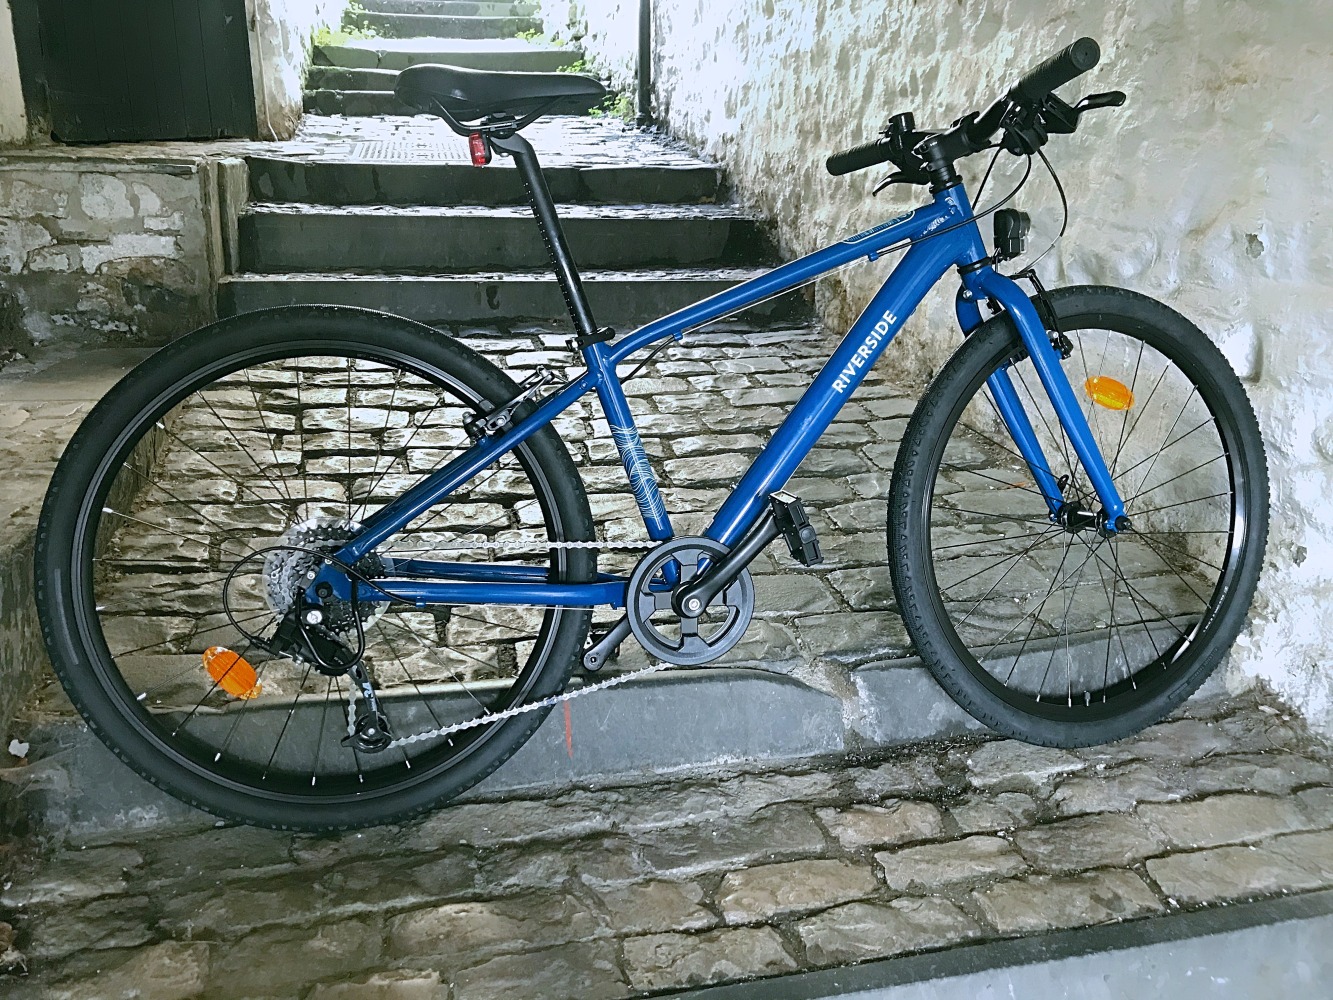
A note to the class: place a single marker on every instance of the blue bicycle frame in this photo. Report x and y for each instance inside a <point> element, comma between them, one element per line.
<point>944,234</point>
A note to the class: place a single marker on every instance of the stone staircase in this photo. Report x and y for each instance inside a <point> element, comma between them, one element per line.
<point>356,77</point>
<point>390,214</point>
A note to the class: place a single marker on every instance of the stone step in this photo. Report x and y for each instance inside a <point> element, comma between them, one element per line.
<point>299,237</point>
<point>339,78</point>
<point>450,8</point>
<point>364,102</point>
<point>453,8</point>
<point>395,25</point>
<point>399,53</point>
<point>618,298</point>
<point>380,181</point>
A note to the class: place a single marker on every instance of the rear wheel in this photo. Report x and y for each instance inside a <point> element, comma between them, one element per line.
<point>189,509</point>
<point>1060,635</point>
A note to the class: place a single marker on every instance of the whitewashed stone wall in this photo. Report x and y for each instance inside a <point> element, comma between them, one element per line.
<point>280,32</point>
<point>111,252</point>
<point>1210,190</point>
<point>608,30</point>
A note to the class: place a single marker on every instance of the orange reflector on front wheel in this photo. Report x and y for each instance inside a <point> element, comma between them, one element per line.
<point>231,672</point>
<point>1108,392</point>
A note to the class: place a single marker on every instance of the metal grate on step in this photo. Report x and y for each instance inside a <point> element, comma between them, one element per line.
<point>452,150</point>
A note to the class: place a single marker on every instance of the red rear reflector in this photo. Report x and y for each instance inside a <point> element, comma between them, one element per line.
<point>480,149</point>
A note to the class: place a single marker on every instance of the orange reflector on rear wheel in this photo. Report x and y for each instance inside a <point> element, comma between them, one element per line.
<point>232,672</point>
<point>1106,391</point>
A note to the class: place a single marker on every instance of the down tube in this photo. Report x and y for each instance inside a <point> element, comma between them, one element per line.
<point>914,276</point>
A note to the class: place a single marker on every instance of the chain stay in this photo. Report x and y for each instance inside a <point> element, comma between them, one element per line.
<point>518,710</point>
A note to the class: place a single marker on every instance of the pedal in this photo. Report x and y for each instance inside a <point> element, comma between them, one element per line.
<point>790,517</point>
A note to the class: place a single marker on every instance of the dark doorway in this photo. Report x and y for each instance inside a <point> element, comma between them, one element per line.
<point>135,70</point>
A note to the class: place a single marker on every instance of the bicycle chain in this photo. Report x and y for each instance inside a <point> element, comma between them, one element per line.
<point>518,710</point>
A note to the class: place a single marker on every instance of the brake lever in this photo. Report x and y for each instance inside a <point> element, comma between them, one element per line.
<point>1110,99</point>
<point>898,177</point>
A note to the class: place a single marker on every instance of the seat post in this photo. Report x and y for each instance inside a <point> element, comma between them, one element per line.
<point>543,208</point>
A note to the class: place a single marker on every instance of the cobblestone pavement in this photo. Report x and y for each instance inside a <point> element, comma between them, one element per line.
<point>619,891</point>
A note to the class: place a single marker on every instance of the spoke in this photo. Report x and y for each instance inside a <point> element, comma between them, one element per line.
<point>1062,440</point>
<point>402,664</point>
<point>1034,614</point>
<point>1044,536</point>
<point>1178,574</point>
<point>211,688</point>
<point>1055,648</point>
<point>1176,548</point>
<point>194,635</point>
<point>989,440</point>
<point>1182,475</point>
<point>982,541</point>
<point>299,426</point>
<point>450,667</point>
<point>483,621</point>
<point>300,689</point>
<point>319,740</point>
<point>193,506</point>
<point>156,527</point>
<point>1169,444</point>
<point>1169,431</point>
<point>993,479</point>
<point>276,489</point>
<point>407,444</point>
<point>235,481</point>
<point>1124,423</point>
<point>350,479</point>
<point>1143,408</point>
<point>1152,510</point>
<point>997,517</point>
<point>268,434</point>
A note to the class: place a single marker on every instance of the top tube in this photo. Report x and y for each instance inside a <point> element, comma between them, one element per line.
<point>869,244</point>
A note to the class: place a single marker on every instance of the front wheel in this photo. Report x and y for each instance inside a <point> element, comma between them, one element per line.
<point>1062,636</point>
<point>197,500</point>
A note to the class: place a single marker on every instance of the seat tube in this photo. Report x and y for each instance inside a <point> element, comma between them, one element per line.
<point>543,209</point>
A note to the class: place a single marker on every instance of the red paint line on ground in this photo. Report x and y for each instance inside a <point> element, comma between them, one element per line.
<point>569,733</point>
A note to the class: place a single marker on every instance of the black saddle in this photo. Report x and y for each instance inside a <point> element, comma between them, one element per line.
<point>469,95</point>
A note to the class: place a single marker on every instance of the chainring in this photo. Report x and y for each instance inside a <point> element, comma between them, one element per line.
<point>673,638</point>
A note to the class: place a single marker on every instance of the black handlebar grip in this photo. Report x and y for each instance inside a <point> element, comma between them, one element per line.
<point>865,155</point>
<point>1056,71</point>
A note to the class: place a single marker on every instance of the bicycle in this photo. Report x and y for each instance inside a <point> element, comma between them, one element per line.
<point>373,577</point>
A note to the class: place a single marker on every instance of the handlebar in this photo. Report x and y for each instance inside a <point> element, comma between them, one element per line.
<point>1026,100</point>
<point>1059,69</point>
<point>865,155</point>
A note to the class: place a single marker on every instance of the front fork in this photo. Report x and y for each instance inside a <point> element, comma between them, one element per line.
<point>987,283</point>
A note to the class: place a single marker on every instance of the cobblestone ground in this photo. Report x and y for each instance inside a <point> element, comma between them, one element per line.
<point>620,891</point>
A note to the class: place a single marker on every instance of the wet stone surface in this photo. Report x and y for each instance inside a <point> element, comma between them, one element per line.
<point>617,890</point>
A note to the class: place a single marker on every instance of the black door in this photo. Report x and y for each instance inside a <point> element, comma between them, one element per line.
<point>135,70</point>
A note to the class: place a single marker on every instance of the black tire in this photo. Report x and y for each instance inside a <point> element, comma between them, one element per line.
<point>1187,570</point>
<point>97,569</point>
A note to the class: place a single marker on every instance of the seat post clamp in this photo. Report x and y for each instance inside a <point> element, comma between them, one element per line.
<point>582,340</point>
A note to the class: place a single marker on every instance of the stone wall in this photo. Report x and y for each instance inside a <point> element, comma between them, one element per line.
<point>13,120</point>
<point>607,29</point>
<point>111,251</point>
<point>1209,190</point>
<point>280,54</point>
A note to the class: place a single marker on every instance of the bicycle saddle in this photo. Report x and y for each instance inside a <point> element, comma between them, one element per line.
<point>471,94</point>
